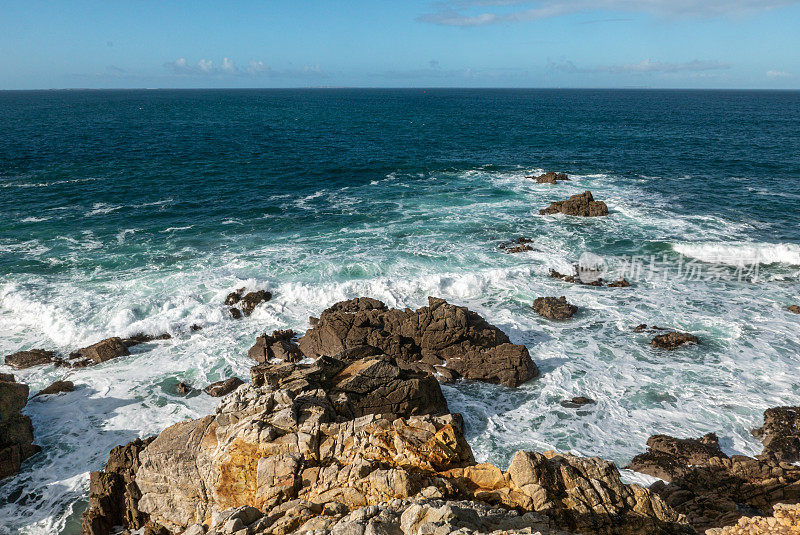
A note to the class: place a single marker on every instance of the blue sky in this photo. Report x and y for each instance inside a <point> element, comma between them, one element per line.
<point>378,43</point>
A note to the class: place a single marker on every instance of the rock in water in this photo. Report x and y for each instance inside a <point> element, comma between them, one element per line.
<point>794,308</point>
<point>16,429</point>
<point>554,308</point>
<point>251,300</point>
<point>673,340</point>
<point>280,345</point>
<point>234,297</point>
<point>224,387</point>
<point>577,402</point>
<point>549,177</point>
<point>26,359</point>
<point>780,434</point>
<point>439,336</point>
<point>710,488</point>
<point>56,388</point>
<point>520,245</point>
<point>107,349</point>
<point>582,204</point>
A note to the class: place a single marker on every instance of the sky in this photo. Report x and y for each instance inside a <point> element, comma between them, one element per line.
<point>738,44</point>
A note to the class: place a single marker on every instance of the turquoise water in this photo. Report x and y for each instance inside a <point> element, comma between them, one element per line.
<point>138,211</point>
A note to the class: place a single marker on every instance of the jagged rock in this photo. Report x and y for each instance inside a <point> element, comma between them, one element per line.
<point>142,338</point>
<point>16,429</point>
<point>234,297</point>
<point>102,351</point>
<point>195,327</point>
<point>794,308</point>
<point>577,402</point>
<point>549,177</point>
<point>644,328</point>
<point>710,488</point>
<point>251,300</point>
<point>437,337</point>
<point>780,434</point>
<point>582,204</point>
<point>223,387</point>
<point>56,388</point>
<point>184,389</point>
<point>673,340</point>
<point>520,245</point>
<point>554,308</point>
<point>26,359</point>
<point>235,313</point>
<point>114,495</point>
<point>784,521</point>
<point>280,345</point>
<point>619,283</point>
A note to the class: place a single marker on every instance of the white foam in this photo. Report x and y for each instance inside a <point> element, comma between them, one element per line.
<point>741,253</point>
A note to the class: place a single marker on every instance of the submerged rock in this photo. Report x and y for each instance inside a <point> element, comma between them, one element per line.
<point>710,488</point>
<point>32,357</point>
<point>780,434</point>
<point>549,178</point>
<point>434,338</point>
<point>582,204</point>
<point>577,402</point>
<point>554,308</point>
<point>16,429</point>
<point>520,245</point>
<point>673,340</point>
<point>223,387</point>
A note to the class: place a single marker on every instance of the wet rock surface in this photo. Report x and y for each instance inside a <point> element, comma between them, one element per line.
<point>673,340</point>
<point>549,178</point>
<point>57,387</point>
<point>223,387</point>
<point>780,434</point>
<point>102,351</point>
<point>577,402</point>
<point>794,308</point>
<point>589,278</point>
<point>520,245</point>
<point>26,359</point>
<point>16,429</point>
<point>554,308</point>
<point>246,302</point>
<point>438,337</point>
<point>582,205</point>
<point>280,345</point>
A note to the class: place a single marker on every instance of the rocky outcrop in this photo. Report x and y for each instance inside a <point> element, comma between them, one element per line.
<point>554,308</point>
<point>589,278</point>
<point>439,339</point>
<point>780,434</point>
<point>247,302</point>
<point>280,345</point>
<point>57,387</point>
<point>794,308</point>
<point>520,245</point>
<point>114,495</point>
<point>710,488</point>
<point>223,387</point>
<point>642,327</point>
<point>102,351</point>
<point>577,402</point>
<point>16,429</point>
<point>582,204</point>
<point>26,359</point>
<point>142,338</point>
<point>549,177</point>
<point>673,340</point>
<point>784,521</point>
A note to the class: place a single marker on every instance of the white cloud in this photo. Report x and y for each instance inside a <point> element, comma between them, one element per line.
<point>205,65</point>
<point>644,66</point>
<point>484,12</point>
<point>778,74</point>
<point>228,66</point>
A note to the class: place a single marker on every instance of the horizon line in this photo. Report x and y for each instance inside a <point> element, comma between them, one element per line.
<point>605,88</point>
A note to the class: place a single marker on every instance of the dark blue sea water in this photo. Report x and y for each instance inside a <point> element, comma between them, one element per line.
<point>137,211</point>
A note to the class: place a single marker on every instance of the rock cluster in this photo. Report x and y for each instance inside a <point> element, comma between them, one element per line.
<point>520,245</point>
<point>673,340</point>
<point>554,308</point>
<point>442,339</point>
<point>359,445</point>
<point>247,302</point>
<point>549,178</point>
<point>780,434</point>
<point>280,345</point>
<point>582,204</point>
<point>710,488</point>
<point>27,359</point>
<point>784,521</point>
<point>16,430</point>
<point>589,278</point>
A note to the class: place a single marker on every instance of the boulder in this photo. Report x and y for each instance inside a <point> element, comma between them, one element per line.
<point>33,357</point>
<point>582,204</point>
<point>577,402</point>
<point>780,434</point>
<point>223,387</point>
<point>619,283</point>
<point>710,488</point>
<point>549,177</point>
<point>102,351</point>
<point>520,245</point>
<point>794,308</point>
<point>56,388</point>
<point>247,302</point>
<point>644,328</point>
<point>142,338</point>
<point>184,389</point>
<point>589,278</point>
<point>673,340</point>
<point>438,336</point>
<point>234,297</point>
<point>235,313</point>
<point>280,346</point>
<point>554,308</point>
<point>16,429</point>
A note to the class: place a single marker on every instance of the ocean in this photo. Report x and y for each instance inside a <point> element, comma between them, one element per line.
<point>137,211</point>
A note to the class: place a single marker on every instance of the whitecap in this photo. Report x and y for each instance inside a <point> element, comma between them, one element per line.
<point>741,253</point>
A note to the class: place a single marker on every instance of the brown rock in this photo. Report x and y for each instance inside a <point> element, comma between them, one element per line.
<point>102,351</point>
<point>224,387</point>
<point>16,430</point>
<point>554,308</point>
<point>520,245</point>
<point>577,402</point>
<point>280,345</point>
<point>253,299</point>
<point>549,177</point>
<point>184,389</point>
<point>56,388</point>
<point>582,204</point>
<point>142,338</point>
<point>235,313</point>
<point>673,340</point>
<point>794,308</point>
<point>620,283</point>
<point>27,359</point>
<point>448,335</point>
<point>780,434</point>
<point>234,297</point>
